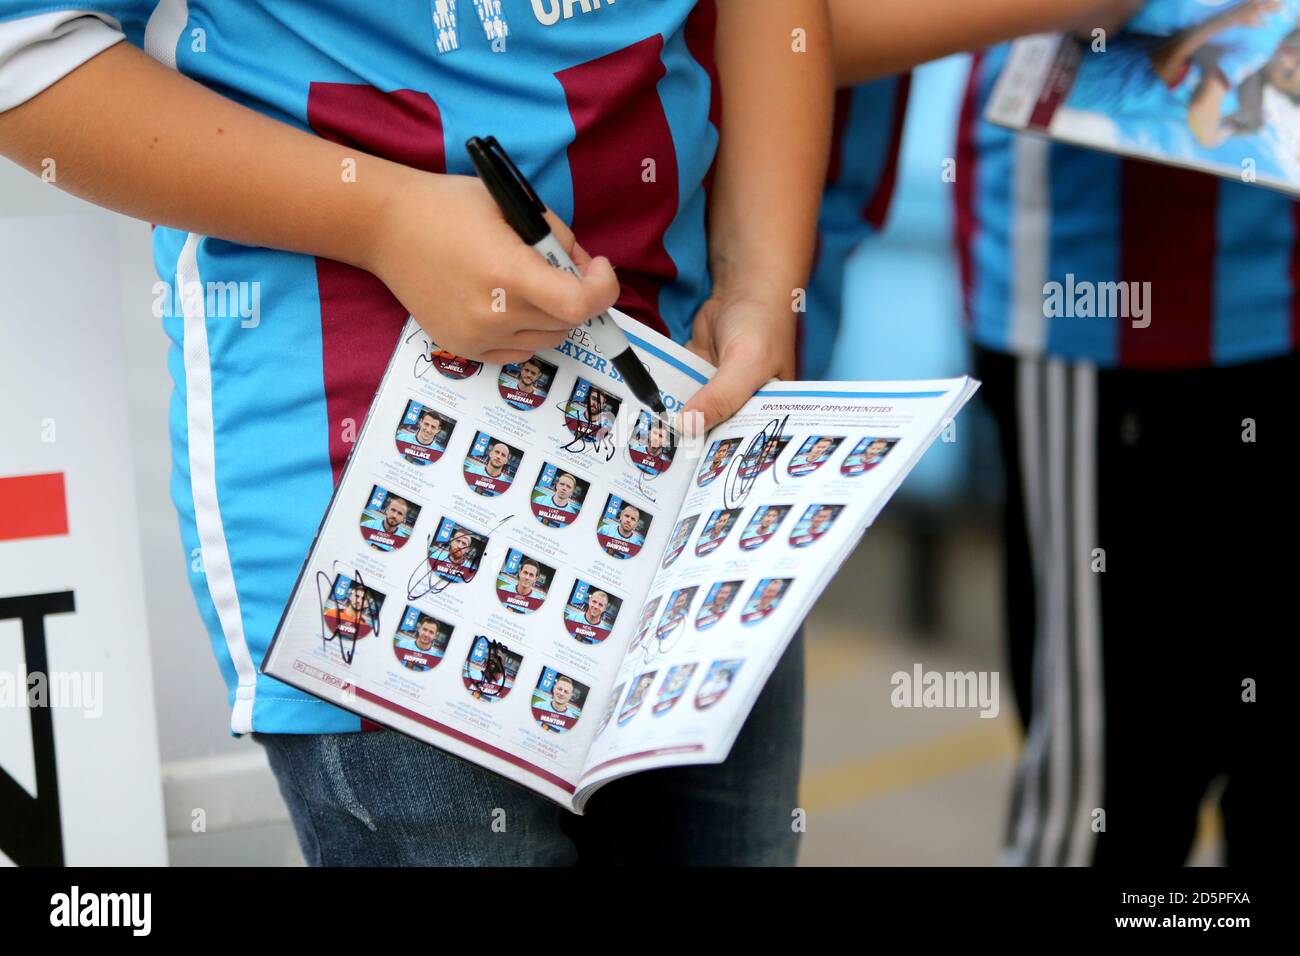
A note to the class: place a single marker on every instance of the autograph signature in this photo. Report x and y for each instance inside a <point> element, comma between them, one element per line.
<point>599,437</point>
<point>737,486</point>
<point>427,357</point>
<point>425,579</point>
<point>348,618</point>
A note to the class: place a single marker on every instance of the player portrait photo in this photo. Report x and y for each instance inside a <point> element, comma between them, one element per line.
<point>815,451</point>
<point>558,700</point>
<point>866,454</point>
<point>350,613</point>
<point>717,602</point>
<point>525,385</point>
<point>622,528</point>
<point>763,524</point>
<point>490,669</point>
<point>677,543</point>
<point>452,366</point>
<point>676,611</point>
<point>672,688</point>
<point>558,496</point>
<point>591,612</point>
<point>523,582</point>
<point>765,599</point>
<point>716,530</point>
<point>491,465</point>
<point>761,455</point>
<point>590,412</point>
<point>421,640</point>
<point>387,519</point>
<point>423,433</point>
<point>715,460</point>
<point>717,681</point>
<point>651,447</point>
<point>813,523</point>
<point>644,625</point>
<point>612,703</point>
<point>636,696</point>
<point>455,551</point>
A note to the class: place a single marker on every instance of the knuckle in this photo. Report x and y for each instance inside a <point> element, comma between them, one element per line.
<point>573,308</point>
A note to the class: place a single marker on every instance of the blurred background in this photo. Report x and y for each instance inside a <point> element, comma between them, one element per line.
<point>881,786</point>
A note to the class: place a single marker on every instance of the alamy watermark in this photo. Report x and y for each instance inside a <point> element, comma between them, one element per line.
<point>213,300</point>
<point>946,689</point>
<point>1083,299</point>
<point>66,690</point>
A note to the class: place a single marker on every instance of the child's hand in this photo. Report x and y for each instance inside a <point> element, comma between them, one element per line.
<point>451,259</point>
<point>751,341</point>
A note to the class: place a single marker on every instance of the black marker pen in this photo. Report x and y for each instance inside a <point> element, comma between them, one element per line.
<point>524,211</point>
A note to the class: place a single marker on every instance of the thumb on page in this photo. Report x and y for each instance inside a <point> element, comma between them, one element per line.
<point>740,374</point>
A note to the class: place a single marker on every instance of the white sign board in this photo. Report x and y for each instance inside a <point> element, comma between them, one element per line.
<point>79,776</point>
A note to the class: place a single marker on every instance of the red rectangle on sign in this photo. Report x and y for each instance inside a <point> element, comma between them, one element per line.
<point>33,506</point>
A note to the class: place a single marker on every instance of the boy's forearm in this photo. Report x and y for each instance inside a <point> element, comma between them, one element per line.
<point>875,38</point>
<point>129,134</point>
<point>777,90</point>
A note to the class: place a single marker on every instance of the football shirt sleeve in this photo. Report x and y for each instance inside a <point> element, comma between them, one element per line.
<point>37,50</point>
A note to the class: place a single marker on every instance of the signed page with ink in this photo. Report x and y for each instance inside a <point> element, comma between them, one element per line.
<point>780,496</point>
<point>523,567</point>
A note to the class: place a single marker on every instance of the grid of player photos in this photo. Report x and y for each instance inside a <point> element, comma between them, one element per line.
<point>389,599</point>
<point>431,445</point>
<point>723,456</point>
<point>667,618</point>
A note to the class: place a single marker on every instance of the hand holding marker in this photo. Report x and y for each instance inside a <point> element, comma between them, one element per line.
<point>523,210</point>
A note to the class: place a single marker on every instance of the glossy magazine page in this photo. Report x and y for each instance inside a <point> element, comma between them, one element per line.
<point>523,567</point>
<point>1201,84</point>
<point>782,493</point>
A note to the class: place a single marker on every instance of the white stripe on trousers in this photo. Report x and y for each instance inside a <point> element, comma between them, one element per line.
<point>1028,391</point>
<point>1057,636</point>
<point>1087,619</point>
<point>1054,822</point>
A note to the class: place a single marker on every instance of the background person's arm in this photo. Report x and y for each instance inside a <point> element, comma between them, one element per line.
<point>771,166</point>
<point>194,160</point>
<point>1171,60</point>
<point>876,38</point>
<point>1205,113</point>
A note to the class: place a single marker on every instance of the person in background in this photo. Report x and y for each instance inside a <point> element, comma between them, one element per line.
<point>876,46</point>
<point>1132,649</point>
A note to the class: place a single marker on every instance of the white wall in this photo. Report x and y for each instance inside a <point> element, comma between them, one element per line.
<point>188,690</point>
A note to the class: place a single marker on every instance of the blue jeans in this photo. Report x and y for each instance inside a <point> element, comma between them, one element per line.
<point>383,799</point>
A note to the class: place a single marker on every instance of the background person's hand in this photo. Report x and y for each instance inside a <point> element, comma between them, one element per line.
<point>750,341</point>
<point>451,259</point>
<point>1244,13</point>
<point>1248,13</point>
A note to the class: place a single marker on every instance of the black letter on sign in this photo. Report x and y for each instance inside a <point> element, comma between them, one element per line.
<point>31,833</point>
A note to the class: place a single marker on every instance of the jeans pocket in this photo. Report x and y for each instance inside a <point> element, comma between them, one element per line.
<point>333,760</point>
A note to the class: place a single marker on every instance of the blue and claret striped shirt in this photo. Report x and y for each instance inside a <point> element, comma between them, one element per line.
<point>1041,226</point>
<point>860,178</point>
<point>581,92</point>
